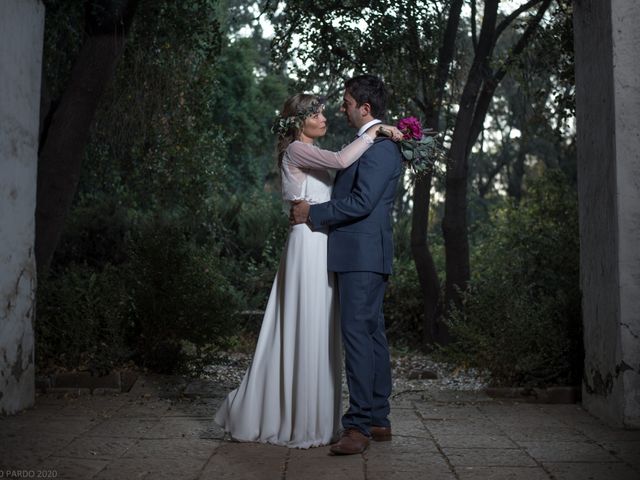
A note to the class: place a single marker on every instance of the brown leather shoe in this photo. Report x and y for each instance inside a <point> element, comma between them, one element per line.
<point>351,442</point>
<point>381,434</point>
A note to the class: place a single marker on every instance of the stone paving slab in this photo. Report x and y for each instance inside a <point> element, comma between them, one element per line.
<point>479,426</point>
<point>464,440</point>
<point>300,462</point>
<point>96,448</point>
<point>75,468</point>
<point>171,448</point>
<point>591,471</point>
<point>168,468</point>
<point>122,427</point>
<point>155,432</point>
<point>29,449</point>
<point>502,473</point>
<point>488,457</point>
<point>568,452</point>
<point>531,433</point>
<point>234,461</point>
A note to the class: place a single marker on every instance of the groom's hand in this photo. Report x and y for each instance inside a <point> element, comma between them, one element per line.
<point>299,212</point>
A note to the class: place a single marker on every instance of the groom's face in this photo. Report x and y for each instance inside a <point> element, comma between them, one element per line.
<point>355,114</point>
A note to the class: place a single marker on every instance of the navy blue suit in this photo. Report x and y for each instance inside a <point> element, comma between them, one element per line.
<point>360,250</point>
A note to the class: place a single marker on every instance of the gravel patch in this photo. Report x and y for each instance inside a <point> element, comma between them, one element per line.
<point>410,372</point>
<point>420,372</point>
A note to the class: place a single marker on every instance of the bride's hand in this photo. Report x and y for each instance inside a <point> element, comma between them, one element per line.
<point>389,131</point>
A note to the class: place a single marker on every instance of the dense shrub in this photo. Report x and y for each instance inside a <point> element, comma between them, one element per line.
<point>141,255</point>
<point>96,232</point>
<point>521,315</point>
<point>184,306</point>
<point>168,306</point>
<point>403,305</point>
<point>82,319</point>
<point>257,229</point>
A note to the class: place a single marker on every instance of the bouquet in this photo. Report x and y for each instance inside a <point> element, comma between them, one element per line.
<point>421,151</point>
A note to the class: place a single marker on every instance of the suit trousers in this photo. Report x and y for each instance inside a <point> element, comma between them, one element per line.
<point>367,364</point>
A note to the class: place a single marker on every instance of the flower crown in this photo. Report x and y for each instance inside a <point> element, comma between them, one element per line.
<point>282,125</point>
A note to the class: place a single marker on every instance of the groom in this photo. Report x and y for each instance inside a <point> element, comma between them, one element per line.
<point>360,251</point>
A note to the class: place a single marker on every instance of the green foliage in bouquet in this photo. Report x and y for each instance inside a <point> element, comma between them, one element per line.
<point>420,150</point>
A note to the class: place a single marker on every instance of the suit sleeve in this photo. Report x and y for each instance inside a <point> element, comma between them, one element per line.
<point>376,169</point>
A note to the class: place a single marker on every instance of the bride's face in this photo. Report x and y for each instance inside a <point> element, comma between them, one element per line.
<point>314,126</point>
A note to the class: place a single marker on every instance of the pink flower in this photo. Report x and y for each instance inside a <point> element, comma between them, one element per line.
<point>411,128</point>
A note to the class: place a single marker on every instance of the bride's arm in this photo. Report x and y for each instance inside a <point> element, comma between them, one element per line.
<point>306,155</point>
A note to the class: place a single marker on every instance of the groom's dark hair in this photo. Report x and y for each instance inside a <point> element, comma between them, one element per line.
<point>368,89</point>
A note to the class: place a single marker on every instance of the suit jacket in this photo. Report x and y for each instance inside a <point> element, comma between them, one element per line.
<point>359,212</point>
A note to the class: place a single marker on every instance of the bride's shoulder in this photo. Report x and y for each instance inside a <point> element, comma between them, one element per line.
<point>296,149</point>
<point>296,144</point>
<point>300,145</point>
<point>292,146</point>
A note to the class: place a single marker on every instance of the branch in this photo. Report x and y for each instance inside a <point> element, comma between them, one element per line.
<point>284,40</point>
<point>489,85</point>
<point>342,53</point>
<point>483,187</point>
<point>502,26</point>
<point>446,53</point>
<point>474,37</point>
<point>265,9</point>
<point>523,41</point>
<point>487,39</point>
<point>420,103</point>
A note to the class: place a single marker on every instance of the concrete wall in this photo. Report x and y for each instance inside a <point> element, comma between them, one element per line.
<point>21,38</point>
<point>607,46</point>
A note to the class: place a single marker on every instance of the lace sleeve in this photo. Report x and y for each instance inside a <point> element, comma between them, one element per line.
<point>306,155</point>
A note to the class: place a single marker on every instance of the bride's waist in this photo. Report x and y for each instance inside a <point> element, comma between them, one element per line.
<point>309,200</point>
<point>304,229</point>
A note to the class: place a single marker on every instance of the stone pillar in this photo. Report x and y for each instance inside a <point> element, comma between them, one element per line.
<point>607,49</point>
<point>21,40</point>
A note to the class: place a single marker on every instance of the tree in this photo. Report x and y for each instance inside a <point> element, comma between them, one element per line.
<point>68,122</point>
<point>400,47</point>
<point>412,44</point>
<point>475,99</point>
<point>247,98</point>
<point>530,117</point>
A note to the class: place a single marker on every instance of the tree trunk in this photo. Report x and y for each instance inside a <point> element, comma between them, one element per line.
<point>63,142</point>
<point>434,331</point>
<point>474,104</point>
<point>427,274</point>
<point>454,223</point>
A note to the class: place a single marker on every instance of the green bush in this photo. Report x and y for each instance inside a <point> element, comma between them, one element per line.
<point>403,305</point>
<point>257,229</point>
<point>521,315</point>
<point>168,304</point>
<point>82,319</point>
<point>184,306</point>
<point>96,233</point>
<point>170,205</point>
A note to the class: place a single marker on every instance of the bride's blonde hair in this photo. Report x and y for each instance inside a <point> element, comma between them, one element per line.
<point>289,123</point>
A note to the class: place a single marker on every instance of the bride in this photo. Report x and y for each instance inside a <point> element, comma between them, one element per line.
<point>291,394</point>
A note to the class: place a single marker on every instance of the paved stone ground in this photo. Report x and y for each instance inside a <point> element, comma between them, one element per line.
<point>155,432</point>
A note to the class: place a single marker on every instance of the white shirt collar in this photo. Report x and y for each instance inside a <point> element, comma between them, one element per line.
<point>366,126</point>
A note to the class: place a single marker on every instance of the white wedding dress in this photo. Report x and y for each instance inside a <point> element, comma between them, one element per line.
<point>291,393</point>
